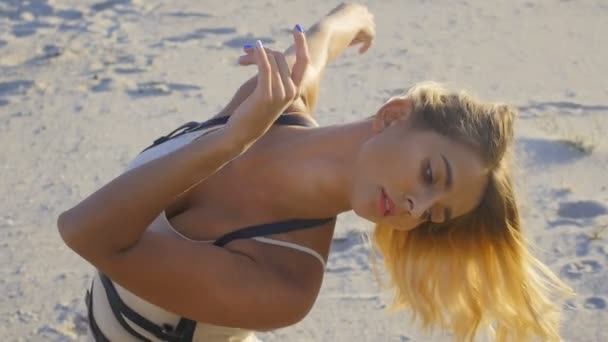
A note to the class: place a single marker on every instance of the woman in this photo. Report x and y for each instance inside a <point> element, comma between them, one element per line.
<point>429,168</point>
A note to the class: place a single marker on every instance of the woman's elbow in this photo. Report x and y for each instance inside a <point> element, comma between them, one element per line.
<point>64,229</point>
<point>298,309</point>
<point>69,232</point>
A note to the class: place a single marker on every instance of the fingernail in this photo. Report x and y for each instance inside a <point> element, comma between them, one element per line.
<point>299,28</point>
<point>259,44</point>
<point>247,46</point>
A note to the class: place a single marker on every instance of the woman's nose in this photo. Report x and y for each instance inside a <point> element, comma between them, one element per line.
<point>417,205</point>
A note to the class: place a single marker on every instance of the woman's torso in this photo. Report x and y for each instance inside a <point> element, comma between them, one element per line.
<point>221,204</point>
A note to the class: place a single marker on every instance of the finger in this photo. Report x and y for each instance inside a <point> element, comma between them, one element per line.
<point>248,48</point>
<point>249,58</point>
<point>370,38</point>
<point>264,69</point>
<point>275,77</point>
<point>302,56</point>
<point>363,49</point>
<point>246,59</point>
<point>285,73</point>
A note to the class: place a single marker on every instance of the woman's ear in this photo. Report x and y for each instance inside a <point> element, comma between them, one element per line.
<point>393,111</point>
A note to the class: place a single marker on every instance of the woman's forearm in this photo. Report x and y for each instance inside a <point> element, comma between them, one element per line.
<point>112,219</point>
<point>327,39</point>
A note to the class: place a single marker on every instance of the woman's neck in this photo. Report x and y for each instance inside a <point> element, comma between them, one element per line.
<point>310,174</point>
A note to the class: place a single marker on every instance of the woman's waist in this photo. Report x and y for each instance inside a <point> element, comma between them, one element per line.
<point>114,331</point>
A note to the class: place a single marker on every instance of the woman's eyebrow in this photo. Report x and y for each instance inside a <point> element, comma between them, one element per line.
<point>448,172</point>
<point>447,212</point>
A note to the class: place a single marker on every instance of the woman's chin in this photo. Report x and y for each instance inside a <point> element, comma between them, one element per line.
<point>366,215</point>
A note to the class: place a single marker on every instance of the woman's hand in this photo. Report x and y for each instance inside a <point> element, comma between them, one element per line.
<point>355,18</point>
<point>276,88</point>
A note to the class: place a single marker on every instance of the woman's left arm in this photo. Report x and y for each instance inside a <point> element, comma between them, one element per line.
<point>223,286</point>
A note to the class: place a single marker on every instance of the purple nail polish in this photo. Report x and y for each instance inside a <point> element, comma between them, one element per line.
<point>299,28</point>
<point>247,46</point>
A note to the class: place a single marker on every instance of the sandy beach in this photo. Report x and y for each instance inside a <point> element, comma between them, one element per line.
<point>85,85</point>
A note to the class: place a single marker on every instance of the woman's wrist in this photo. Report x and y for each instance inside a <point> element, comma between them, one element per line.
<point>341,31</point>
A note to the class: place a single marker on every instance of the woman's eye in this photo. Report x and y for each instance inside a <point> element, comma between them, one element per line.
<point>428,174</point>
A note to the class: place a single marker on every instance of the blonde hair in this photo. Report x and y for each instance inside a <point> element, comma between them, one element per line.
<point>474,271</point>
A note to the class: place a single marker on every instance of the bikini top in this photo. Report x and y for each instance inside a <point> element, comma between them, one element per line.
<point>185,328</point>
<point>256,230</point>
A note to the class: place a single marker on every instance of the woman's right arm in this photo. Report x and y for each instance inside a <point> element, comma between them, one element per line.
<point>221,286</point>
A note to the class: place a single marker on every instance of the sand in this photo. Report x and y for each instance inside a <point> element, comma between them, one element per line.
<point>85,85</point>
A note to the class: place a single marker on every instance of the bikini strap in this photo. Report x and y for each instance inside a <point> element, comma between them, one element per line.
<point>284,120</point>
<point>291,245</point>
<point>183,332</point>
<point>270,229</point>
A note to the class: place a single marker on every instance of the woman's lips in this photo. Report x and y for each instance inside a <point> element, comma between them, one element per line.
<point>387,206</point>
<point>382,203</point>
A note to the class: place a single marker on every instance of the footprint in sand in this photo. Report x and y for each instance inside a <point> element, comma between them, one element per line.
<point>343,244</point>
<point>28,29</point>
<point>15,87</point>
<point>576,269</point>
<point>25,317</point>
<point>18,10</point>
<point>129,71</point>
<point>68,325</point>
<point>29,16</point>
<point>130,64</point>
<point>160,89</point>
<point>47,53</point>
<point>69,14</point>
<point>104,84</point>
<point>581,209</point>
<point>102,6</point>
<point>349,253</point>
<point>200,34</point>
<point>543,106</point>
<point>70,314</point>
<point>188,14</point>
<point>238,42</point>
<point>12,88</point>
<point>548,152</point>
<point>595,303</point>
<point>583,245</point>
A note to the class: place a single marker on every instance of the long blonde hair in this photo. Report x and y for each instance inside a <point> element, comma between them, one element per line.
<point>474,271</point>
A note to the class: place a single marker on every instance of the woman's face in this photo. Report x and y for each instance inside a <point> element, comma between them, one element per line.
<point>406,176</point>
